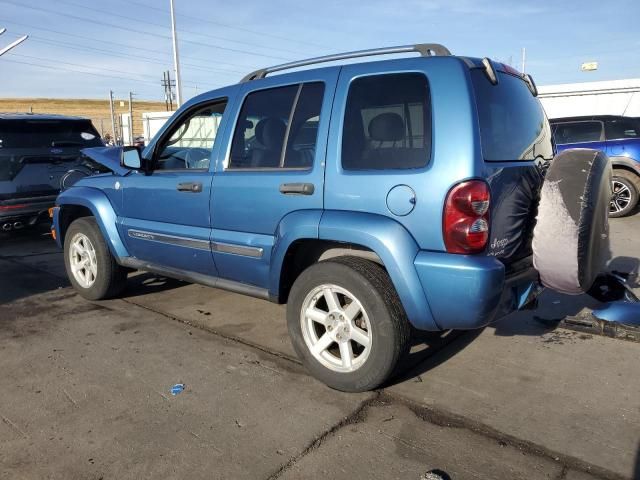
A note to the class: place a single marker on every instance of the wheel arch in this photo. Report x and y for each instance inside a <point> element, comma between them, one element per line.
<point>342,233</point>
<point>80,202</point>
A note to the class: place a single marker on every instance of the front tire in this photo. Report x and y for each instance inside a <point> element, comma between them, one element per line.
<point>625,193</point>
<point>347,324</point>
<point>91,268</point>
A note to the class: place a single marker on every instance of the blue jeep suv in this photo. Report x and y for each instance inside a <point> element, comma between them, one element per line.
<point>38,154</point>
<point>619,138</point>
<point>373,198</point>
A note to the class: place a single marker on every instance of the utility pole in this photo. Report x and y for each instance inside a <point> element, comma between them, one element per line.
<point>524,59</point>
<point>168,85</point>
<point>12,44</point>
<point>176,59</point>
<point>130,118</point>
<point>113,117</point>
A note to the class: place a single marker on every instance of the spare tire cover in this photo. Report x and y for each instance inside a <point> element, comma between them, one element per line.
<point>571,236</point>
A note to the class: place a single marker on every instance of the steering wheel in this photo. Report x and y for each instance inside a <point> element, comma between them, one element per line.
<point>197,157</point>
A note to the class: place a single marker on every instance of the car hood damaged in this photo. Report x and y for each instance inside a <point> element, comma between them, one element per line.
<point>107,156</point>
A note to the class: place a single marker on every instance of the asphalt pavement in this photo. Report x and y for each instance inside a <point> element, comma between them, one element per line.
<point>86,389</point>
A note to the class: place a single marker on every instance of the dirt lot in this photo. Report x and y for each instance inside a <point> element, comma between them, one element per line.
<point>86,389</point>
<point>96,110</point>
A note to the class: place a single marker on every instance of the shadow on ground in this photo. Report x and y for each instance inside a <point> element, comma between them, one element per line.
<point>21,276</point>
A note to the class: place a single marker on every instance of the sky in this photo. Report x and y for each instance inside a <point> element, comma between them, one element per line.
<point>83,49</point>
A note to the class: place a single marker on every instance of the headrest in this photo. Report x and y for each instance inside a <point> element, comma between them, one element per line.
<point>387,127</point>
<point>270,132</point>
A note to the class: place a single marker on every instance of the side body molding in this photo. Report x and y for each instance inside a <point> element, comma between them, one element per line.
<point>96,201</point>
<point>396,248</point>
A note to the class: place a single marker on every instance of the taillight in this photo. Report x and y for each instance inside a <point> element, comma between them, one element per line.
<point>466,217</point>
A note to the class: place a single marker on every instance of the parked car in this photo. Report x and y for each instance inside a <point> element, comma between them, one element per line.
<point>373,198</point>
<point>37,154</point>
<point>619,138</point>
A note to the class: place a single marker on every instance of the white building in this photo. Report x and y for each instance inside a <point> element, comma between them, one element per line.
<point>615,97</point>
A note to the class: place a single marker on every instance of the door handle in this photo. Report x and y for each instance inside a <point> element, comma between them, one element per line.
<point>193,187</point>
<point>297,188</point>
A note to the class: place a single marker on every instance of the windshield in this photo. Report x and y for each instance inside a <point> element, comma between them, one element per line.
<point>48,133</point>
<point>513,125</point>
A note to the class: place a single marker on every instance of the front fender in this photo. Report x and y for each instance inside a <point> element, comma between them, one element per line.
<point>396,248</point>
<point>97,202</point>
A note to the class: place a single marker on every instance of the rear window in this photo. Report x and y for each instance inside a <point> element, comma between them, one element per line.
<point>577,132</point>
<point>48,133</point>
<point>513,125</point>
<point>622,128</point>
<point>387,123</point>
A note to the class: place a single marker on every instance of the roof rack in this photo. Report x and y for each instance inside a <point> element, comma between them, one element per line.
<point>424,49</point>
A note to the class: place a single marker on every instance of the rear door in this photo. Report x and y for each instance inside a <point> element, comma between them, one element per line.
<point>273,167</point>
<point>516,142</point>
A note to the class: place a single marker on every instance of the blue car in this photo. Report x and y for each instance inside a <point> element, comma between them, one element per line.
<point>38,154</point>
<point>619,138</point>
<point>372,198</point>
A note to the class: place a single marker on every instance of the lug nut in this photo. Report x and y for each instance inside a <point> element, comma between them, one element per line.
<point>329,328</point>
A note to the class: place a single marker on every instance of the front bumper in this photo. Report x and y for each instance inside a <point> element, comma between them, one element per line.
<point>469,291</point>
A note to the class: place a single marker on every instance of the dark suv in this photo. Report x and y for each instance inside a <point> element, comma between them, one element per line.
<point>619,138</point>
<point>38,153</point>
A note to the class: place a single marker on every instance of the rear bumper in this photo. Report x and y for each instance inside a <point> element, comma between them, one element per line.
<point>468,291</point>
<point>28,210</point>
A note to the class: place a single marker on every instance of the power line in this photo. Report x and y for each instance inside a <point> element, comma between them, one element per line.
<point>143,32</point>
<point>96,74</point>
<point>162,52</point>
<point>226,25</point>
<point>146,59</point>
<point>76,65</point>
<point>147,22</point>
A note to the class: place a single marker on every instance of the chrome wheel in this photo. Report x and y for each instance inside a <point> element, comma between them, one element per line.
<point>621,197</point>
<point>336,328</point>
<point>82,260</point>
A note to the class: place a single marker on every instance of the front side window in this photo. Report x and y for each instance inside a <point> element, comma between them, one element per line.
<point>190,143</point>
<point>622,128</point>
<point>577,132</point>
<point>278,128</point>
<point>387,123</point>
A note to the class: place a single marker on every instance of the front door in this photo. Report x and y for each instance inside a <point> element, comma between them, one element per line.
<point>274,166</point>
<point>165,216</point>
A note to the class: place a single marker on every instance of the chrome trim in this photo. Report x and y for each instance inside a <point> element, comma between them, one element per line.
<point>255,252</point>
<point>170,239</point>
<point>234,249</point>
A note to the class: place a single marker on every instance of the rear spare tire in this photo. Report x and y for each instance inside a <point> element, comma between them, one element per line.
<point>571,237</point>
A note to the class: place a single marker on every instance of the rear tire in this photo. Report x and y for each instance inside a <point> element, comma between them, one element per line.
<point>625,193</point>
<point>91,268</point>
<point>356,332</point>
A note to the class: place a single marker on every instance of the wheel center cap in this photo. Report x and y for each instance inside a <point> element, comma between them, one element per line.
<point>338,328</point>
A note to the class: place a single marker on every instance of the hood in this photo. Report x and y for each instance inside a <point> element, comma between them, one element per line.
<point>107,156</point>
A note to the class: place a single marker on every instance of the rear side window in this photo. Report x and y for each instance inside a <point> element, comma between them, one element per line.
<point>577,132</point>
<point>622,128</point>
<point>387,123</point>
<point>48,134</point>
<point>513,125</point>
<point>278,128</point>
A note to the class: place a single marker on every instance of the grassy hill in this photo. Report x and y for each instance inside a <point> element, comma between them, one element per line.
<point>95,109</point>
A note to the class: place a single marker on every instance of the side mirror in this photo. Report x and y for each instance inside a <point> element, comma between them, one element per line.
<point>130,158</point>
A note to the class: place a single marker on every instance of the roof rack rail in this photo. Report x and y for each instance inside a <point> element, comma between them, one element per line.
<point>424,49</point>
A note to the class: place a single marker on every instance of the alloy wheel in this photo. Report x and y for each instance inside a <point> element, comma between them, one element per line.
<point>336,328</point>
